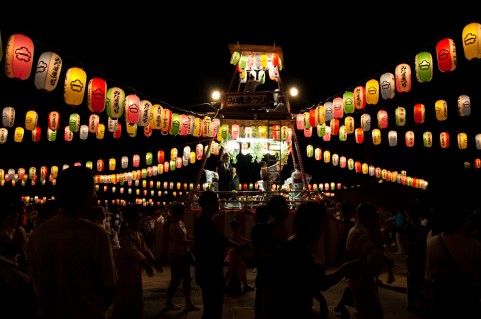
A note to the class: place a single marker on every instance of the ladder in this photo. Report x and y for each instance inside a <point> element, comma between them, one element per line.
<point>298,156</point>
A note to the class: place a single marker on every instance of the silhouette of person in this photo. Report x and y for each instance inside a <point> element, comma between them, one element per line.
<point>224,169</point>
<point>82,276</point>
<point>251,83</point>
<point>210,245</point>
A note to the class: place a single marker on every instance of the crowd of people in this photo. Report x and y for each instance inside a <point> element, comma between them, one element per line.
<point>72,258</point>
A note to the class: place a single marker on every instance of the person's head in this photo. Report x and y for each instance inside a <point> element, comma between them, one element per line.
<point>308,220</point>
<point>367,214</point>
<point>234,170</point>
<point>225,157</point>
<point>252,76</point>
<point>132,216</point>
<point>278,207</point>
<point>177,211</point>
<point>99,214</point>
<point>76,191</point>
<point>263,163</point>
<point>262,214</point>
<point>208,202</point>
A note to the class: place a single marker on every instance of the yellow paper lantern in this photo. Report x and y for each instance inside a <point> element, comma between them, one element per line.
<point>31,120</point>
<point>471,42</point>
<point>18,136</point>
<point>376,136</point>
<point>462,141</point>
<point>360,97</point>
<point>74,86</point>
<point>441,110</point>
<point>372,92</point>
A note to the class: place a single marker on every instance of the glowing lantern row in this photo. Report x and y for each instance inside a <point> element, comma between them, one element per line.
<point>48,70</point>
<point>19,57</point>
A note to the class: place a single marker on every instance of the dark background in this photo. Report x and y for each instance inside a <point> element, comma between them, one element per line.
<point>177,57</point>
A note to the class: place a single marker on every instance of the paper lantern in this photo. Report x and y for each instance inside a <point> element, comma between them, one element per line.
<point>199,151</point>
<point>235,131</point>
<point>112,164</point>
<point>318,154</point>
<point>94,120</point>
<point>388,86</point>
<point>310,150</point>
<point>400,116</point>
<point>334,125</point>
<point>382,119</point>
<point>53,120</point>
<point>321,130</point>
<point>114,102</point>
<point>350,164</point>
<point>308,132</point>
<point>342,162</point>
<point>36,134</point>
<point>160,156</point>
<point>328,111</point>
<point>402,76</point>
<point>427,139</point>
<point>118,131</point>
<point>441,110</point>
<point>338,106</point>
<point>175,125</point>
<point>464,105</point>
<point>3,135</point>
<point>96,95</point>
<point>8,116</point>
<point>359,135</point>
<point>376,136</point>
<point>100,131</point>
<point>18,136</point>
<point>419,113</point>
<point>360,97</point>
<point>327,134</point>
<point>477,140</point>
<point>74,86</point>
<point>342,133</point>
<point>446,55</point>
<point>471,42</point>
<point>372,92</point>
<point>372,170</point>
<point>444,139</point>
<point>300,121</point>
<point>348,102</point>
<point>366,122</point>
<point>173,153</point>
<point>462,141</point>
<point>357,166</point>
<point>31,120</point>
<point>335,159</point>
<point>19,57</point>
<point>74,122</point>
<point>166,122</point>
<point>173,164</point>
<point>51,135</point>
<point>409,138</point>
<point>349,124</point>
<point>131,110</point>
<point>424,66</point>
<point>84,132</point>
<point>392,138</point>
<point>312,118</point>
<point>100,165</point>
<point>327,156</point>
<point>178,162</point>
<point>48,70</point>
<point>477,163</point>
<point>320,116</point>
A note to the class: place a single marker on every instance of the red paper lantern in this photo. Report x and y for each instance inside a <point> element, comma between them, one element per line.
<point>446,55</point>
<point>444,139</point>
<point>96,95</point>
<point>132,106</point>
<point>19,57</point>
<point>337,105</point>
<point>419,113</point>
